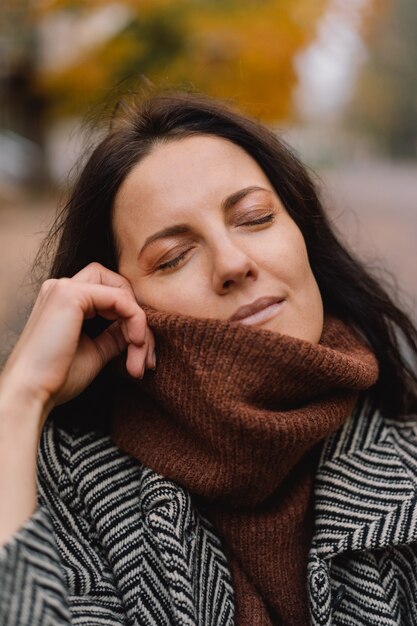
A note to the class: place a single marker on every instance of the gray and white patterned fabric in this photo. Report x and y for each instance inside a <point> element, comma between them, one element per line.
<point>113,543</point>
<point>363,559</point>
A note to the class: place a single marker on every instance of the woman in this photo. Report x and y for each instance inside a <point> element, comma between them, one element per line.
<point>234,441</point>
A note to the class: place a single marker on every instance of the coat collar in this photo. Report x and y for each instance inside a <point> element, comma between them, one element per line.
<point>148,537</point>
<point>366,487</point>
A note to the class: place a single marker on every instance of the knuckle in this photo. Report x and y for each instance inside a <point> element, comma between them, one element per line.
<point>61,287</point>
<point>127,287</point>
<point>103,274</point>
<point>125,282</point>
<point>95,267</point>
<point>126,298</point>
<point>47,285</point>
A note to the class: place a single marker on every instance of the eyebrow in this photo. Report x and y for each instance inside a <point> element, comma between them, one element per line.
<point>179,229</point>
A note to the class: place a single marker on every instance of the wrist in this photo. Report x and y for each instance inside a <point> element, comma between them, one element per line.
<point>22,405</point>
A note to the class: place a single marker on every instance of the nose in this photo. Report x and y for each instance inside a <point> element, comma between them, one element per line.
<point>232,266</point>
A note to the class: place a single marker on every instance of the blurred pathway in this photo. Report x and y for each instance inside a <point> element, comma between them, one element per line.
<point>374,206</point>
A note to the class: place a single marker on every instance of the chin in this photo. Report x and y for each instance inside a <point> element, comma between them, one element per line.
<point>310,330</point>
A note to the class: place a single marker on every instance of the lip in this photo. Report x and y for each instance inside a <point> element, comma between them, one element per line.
<point>250,310</point>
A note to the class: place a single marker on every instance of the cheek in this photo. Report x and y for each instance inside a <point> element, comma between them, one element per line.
<point>287,256</point>
<point>177,295</point>
<point>182,292</point>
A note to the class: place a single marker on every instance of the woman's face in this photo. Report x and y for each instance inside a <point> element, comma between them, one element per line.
<point>202,233</point>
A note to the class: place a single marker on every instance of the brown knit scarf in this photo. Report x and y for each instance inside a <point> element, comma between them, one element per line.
<point>234,414</point>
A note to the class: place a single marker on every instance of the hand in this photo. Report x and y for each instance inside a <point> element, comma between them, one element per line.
<point>53,360</point>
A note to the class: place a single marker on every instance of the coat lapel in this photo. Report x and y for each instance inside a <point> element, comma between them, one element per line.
<point>152,539</point>
<point>365,498</point>
<point>107,484</point>
<point>365,488</point>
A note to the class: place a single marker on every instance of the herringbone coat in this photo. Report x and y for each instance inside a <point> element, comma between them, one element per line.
<point>113,543</point>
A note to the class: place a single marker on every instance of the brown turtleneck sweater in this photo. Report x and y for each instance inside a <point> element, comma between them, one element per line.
<point>236,414</point>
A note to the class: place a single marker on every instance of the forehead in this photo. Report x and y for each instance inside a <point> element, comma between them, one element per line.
<point>183,175</point>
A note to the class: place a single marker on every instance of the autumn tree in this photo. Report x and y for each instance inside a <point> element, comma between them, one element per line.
<point>239,50</point>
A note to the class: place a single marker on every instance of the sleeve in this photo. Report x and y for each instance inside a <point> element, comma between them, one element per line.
<point>32,586</point>
<point>33,589</point>
<point>51,571</point>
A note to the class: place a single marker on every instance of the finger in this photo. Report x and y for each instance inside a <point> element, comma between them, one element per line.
<point>134,323</point>
<point>136,360</point>
<point>148,354</point>
<point>141,357</point>
<point>111,303</point>
<point>151,356</point>
<point>97,273</point>
<point>109,344</point>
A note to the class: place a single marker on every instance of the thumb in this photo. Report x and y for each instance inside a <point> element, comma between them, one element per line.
<point>109,344</point>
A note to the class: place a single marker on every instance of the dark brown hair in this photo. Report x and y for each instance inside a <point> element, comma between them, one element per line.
<point>83,229</point>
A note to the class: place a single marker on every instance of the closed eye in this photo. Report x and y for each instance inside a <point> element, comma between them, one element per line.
<point>261,220</point>
<point>172,262</point>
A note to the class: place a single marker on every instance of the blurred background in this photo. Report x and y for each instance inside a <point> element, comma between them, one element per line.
<point>336,78</point>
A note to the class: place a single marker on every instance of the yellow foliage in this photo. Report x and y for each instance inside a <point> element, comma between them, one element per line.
<point>236,50</point>
<point>248,53</point>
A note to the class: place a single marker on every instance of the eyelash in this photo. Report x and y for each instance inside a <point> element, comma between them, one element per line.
<point>169,264</point>
<point>261,220</point>
<point>174,262</point>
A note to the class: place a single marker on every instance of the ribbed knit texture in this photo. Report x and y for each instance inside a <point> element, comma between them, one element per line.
<point>233,413</point>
